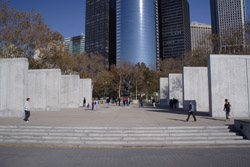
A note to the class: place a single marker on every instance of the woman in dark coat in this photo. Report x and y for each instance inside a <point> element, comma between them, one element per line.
<point>227,107</point>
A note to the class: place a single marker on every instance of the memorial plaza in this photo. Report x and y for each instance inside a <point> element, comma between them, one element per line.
<point>118,116</point>
<point>115,116</point>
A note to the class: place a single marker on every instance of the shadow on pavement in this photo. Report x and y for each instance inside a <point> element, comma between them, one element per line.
<point>180,120</point>
<point>174,111</point>
<point>215,119</point>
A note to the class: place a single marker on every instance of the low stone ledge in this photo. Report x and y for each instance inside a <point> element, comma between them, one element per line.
<point>243,126</point>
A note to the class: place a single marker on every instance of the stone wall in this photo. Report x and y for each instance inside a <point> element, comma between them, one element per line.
<point>44,89</point>
<point>195,87</point>
<point>85,91</point>
<point>164,92</point>
<point>70,91</point>
<point>229,78</point>
<point>13,86</point>
<point>176,88</point>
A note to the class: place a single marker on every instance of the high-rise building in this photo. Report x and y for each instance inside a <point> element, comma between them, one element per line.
<point>175,37</point>
<point>137,32</point>
<point>101,28</point>
<point>200,36</point>
<point>228,16</point>
<point>75,44</point>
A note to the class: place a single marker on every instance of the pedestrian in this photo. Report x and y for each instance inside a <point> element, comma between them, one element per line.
<point>191,111</point>
<point>84,102</point>
<point>153,101</point>
<point>27,110</point>
<point>88,106</point>
<point>124,101</point>
<point>92,105</point>
<point>107,102</point>
<point>227,107</point>
<point>140,102</point>
<point>171,104</point>
<point>127,101</point>
<point>119,100</point>
<point>116,100</point>
<point>96,105</point>
<point>175,102</point>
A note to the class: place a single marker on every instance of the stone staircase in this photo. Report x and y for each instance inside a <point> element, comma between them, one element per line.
<point>121,136</point>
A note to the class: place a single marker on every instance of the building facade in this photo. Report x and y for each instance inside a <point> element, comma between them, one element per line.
<point>174,28</point>
<point>229,17</point>
<point>200,36</point>
<point>75,44</point>
<point>100,28</point>
<point>137,32</point>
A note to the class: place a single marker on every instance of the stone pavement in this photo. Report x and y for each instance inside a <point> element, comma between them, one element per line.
<point>116,116</point>
<point>99,157</point>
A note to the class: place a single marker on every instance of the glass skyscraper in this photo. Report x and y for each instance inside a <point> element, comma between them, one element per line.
<point>228,16</point>
<point>75,44</point>
<point>174,20</point>
<point>137,32</point>
<point>200,36</point>
<point>101,28</point>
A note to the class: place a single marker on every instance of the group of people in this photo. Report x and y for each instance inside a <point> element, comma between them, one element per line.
<point>94,105</point>
<point>227,108</point>
<point>126,101</point>
<point>173,103</point>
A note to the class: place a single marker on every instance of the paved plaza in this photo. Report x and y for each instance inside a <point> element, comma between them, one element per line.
<point>93,157</point>
<point>116,116</point>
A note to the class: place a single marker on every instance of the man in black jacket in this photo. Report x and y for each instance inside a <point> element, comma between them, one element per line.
<point>191,111</point>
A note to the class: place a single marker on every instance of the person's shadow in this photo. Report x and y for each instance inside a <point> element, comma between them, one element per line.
<point>180,120</point>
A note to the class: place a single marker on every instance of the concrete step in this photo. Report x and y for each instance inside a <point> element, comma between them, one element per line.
<point>132,143</point>
<point>118,134</point>
<point>116,128</point>
<point>121,136</point>
<point>14,130</point>
<point>38,138</point>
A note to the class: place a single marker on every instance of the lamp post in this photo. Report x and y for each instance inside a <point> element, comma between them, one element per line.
<point>147,89</point>
<point>105,89</point>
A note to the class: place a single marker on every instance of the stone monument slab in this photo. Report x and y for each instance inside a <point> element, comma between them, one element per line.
<point>44,89</point>
<point>69,91</point>
<point>229,79</point>
<point>164,92</point>
<point>13,86</point>
<point>195,87</point>
<point>176,88</point>
<point>85,91</point>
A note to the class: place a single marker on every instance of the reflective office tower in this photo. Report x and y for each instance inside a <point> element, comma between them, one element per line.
<point>200,34</point>
<point>137,32</point>
<point>100,28</point>
<point>175,38</point>
<point>228,16</point>
<point>75,44</point>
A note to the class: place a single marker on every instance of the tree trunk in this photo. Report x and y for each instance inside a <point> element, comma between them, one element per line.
<point>136,90</point>
<point>120,88</point>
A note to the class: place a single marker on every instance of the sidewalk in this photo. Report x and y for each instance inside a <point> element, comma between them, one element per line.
<point>116,116</point>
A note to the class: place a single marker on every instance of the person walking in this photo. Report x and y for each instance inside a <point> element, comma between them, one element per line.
<point>153,102</point>
<point>84,102</point>
<point>127,101</point>
<point>124,101</point>
<point>191,111</point>
<point>27,110</point>
<point>227,107</point>
<point>119,100</point>
<point>116,101</point>
<point>93,105</point>
<point>140,102</point>
<point>107,102</point>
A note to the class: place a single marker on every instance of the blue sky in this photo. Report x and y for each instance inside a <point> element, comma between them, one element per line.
<point>68,16</point>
